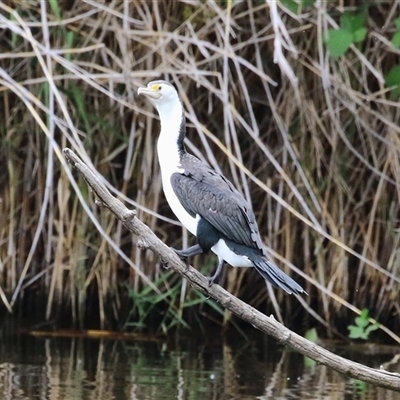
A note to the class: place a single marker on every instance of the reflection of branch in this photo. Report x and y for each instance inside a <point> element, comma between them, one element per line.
<point>147,239</point>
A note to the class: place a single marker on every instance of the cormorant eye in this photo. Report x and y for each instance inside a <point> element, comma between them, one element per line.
<point>156,87</point>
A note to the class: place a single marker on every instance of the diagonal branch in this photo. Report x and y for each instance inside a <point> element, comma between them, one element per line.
<point>268,325</point>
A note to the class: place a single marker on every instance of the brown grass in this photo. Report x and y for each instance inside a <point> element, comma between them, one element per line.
<point>311,140</point>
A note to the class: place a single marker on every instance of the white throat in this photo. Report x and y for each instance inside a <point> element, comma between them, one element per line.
<point>167,146</point>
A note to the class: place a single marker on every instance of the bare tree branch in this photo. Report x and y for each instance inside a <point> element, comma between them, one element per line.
<point>147,239</point>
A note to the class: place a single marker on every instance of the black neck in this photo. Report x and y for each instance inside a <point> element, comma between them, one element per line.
<point>182,134</point>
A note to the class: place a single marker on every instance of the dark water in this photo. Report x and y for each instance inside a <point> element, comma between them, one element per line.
<point>226,367</point>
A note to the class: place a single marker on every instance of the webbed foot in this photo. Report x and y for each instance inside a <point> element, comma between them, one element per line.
<point>164,263</point>
<point>214,279</point>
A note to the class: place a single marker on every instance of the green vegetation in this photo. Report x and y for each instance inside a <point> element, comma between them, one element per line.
<point>396,35</point>
<point>312,336</point>
<point>352,30</point>
<point>392,79</point>
<point>293,103</point>
<point>362,328</point>
<point>297,6</point>
<point>163,309</point>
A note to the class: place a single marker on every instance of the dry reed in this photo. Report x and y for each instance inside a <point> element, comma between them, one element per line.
<point>311,140</point>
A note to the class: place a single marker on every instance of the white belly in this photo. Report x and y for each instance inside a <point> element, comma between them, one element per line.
<point>223,251</point>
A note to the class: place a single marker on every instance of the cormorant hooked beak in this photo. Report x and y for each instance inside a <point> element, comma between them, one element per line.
<point>153,91</point>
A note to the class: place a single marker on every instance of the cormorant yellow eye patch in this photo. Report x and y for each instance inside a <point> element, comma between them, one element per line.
<point>152,90</point>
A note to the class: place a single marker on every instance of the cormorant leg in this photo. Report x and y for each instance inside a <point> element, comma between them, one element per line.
<point>184,254</point>
<point>189,252</point>
<point>217,273</point>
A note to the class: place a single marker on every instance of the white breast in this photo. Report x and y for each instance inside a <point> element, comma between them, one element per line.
<point>184,217</point>
<point>168,157</point>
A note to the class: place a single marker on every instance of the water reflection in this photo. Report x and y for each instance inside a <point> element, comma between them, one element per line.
<point>55,369</point>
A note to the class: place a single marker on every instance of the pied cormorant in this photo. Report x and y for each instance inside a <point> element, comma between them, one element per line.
<point>204,201</point>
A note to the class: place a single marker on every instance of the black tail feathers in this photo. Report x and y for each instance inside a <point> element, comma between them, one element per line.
<point>277,277</point>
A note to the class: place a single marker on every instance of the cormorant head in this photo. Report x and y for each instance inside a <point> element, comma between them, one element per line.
<point>159,93</point>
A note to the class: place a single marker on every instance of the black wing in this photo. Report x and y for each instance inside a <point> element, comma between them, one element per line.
<point>203,191</point>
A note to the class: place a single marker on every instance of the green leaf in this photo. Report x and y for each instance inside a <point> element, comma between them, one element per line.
<point>55,8</point>
<point>362,319</point>
<point>307,3</point>
<point>309,363</point>
<point>397,23</point>
<point>352,22</point>
<point>363,328</point>
<point>359,35</point>
<point>361,387</point>
<point>312,335</point>
<point>291,5</point>
<point>70,43</point>
<point>70,39</point>
<point>339,41</point>
<point>396,40</point>
<point>364,336</point>
<point>393,79</point>
<point>393,76</point>
<point>361,322</point>
<point>372,328</point>
<point>355,332</point>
